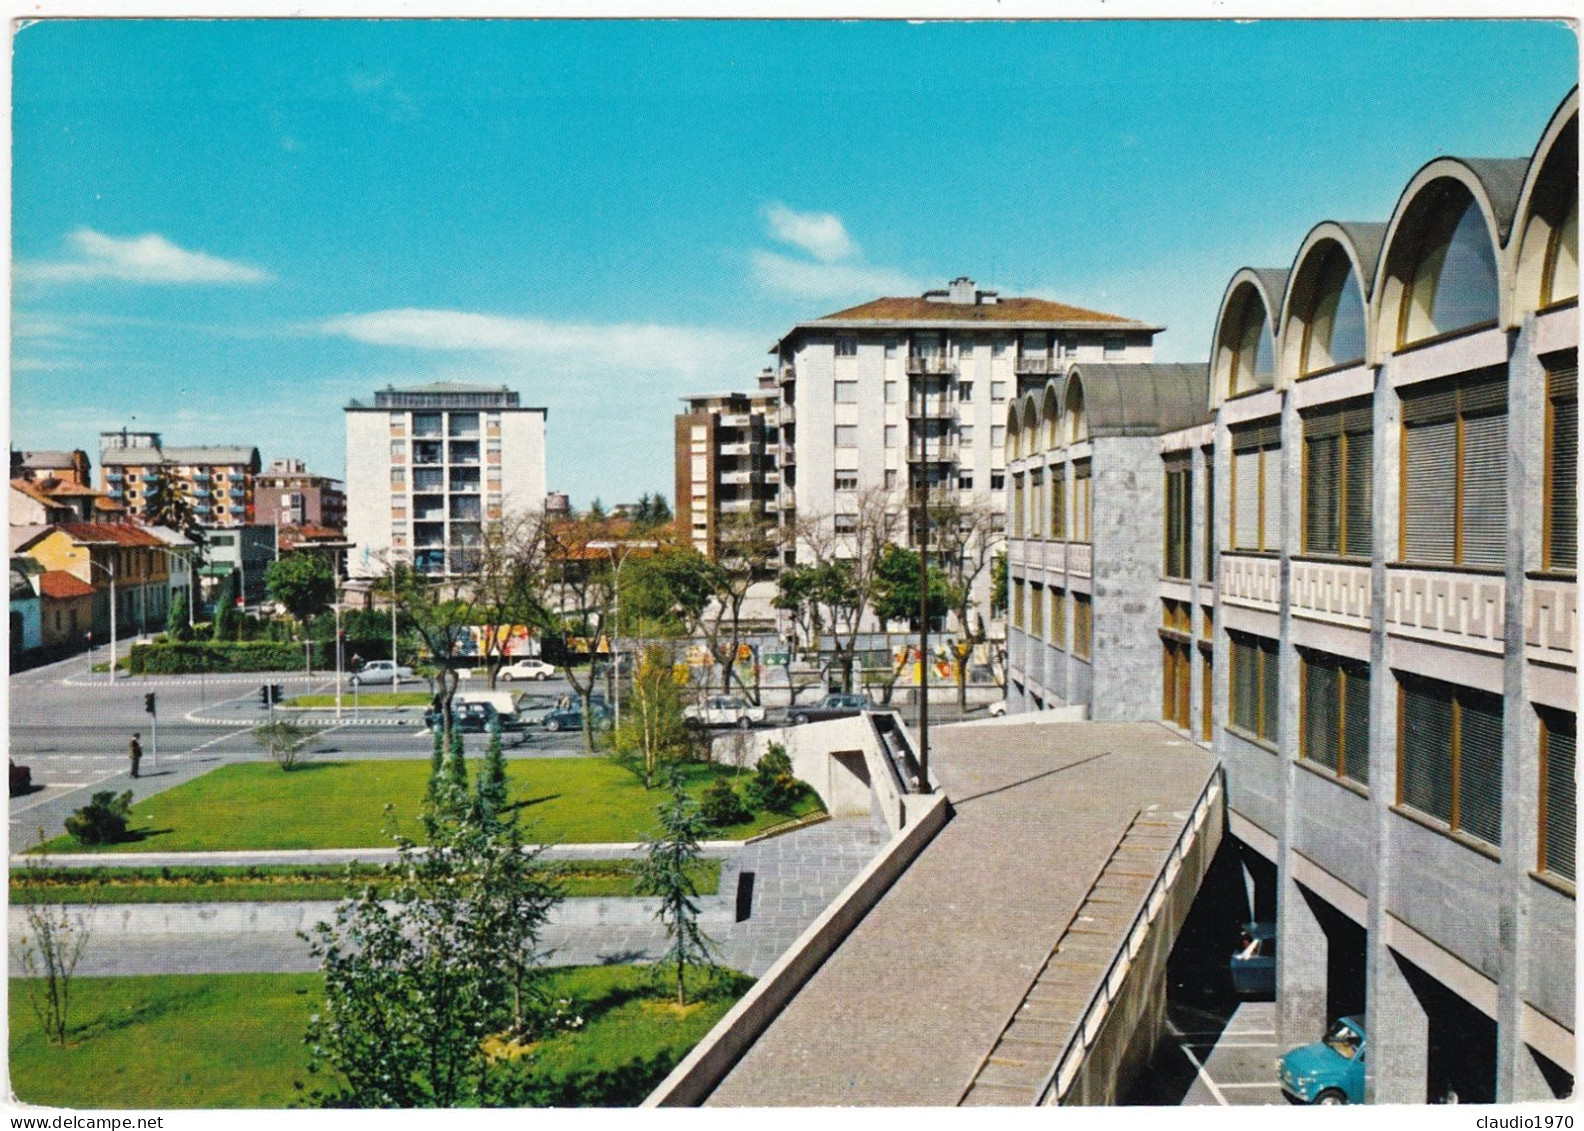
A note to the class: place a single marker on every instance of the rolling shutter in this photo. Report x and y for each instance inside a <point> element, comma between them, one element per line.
<point>1058,503</point>
<point>1484,517</point>
<point>1322,691</point>
<point>1560,802</point>
<point>1480,766</point>
<point>1245,500</point>
<point>1360,472</point>
<point>1245,686</point>
<point>1270,689</point>
<point>1271,500</point>
<point>1356,736</point>
<point>1322,495</point>
<point>1562,517</point>
<point>1425,776</point>
<point>1430,508</point>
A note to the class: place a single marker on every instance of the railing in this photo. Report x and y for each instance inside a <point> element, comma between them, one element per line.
<point>787,373</point>
<point>788,412</point>
<point>1067,1064</point>
<point>939,451</point>
<point>919,364</point>
<point>936,408</point>
<point>899,756</point>
<point>1033,366</point>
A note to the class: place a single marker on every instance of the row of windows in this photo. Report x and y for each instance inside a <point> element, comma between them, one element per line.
<point>1028,612</point>
<point>846,435</point>
<point>1449,738</point>
<point>1453,479</point>
<point>1028,506</point>
<point>1032,344</point>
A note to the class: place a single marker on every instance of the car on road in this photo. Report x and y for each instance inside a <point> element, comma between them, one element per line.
<point>380,671</point>
<point>571,718</point>
<point>838,706</point>
<point>998,709</point>
<point>533,709</point>
<point>724,711</point>
<point>1253,964</point>
<point>1330,1071</point>
<point>469,718</point>
<point>527,669</point>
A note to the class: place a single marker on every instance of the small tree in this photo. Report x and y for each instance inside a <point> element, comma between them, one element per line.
<point>103,820</point>
<point>54,937</point>
<point>721,806</point>
<point>227,620</point>
<point>773,787</point>
<point>285,742</point>
<point>666,872</point>
<point>652,728</point>
<point>176,621</point>
<point>304,583</point>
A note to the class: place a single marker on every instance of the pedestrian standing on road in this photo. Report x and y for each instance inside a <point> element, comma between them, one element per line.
<point>135,753</point>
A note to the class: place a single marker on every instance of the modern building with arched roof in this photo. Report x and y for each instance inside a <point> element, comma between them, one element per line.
<point>1351,570</point>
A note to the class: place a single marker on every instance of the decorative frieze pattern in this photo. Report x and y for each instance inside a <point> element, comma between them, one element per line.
<point>1331,591</point>
<point>1459,609</point>
<point>1550,621</point>
<point>1254,582</point>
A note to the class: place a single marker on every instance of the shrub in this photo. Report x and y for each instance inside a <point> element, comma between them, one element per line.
<point>103,820</point>
<point>215,656</point>
<point>773,787</point>
<point>721,805</point>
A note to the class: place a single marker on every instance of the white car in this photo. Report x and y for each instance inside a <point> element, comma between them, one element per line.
<point>724,711</point>
<point>527,669</point>
<point>998,709</point>
<point>380,671</point>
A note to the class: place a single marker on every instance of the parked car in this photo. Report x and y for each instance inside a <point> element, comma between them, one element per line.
<point>830,707</point>
<point>998,709</point>
<point>21,780</point>
<point>571,718</point>
<point>532,709</point>
<point>1330,1071</point>
<point>527,669</point>
<point>504,702</point>
<point>469,718</point>
<point>380,671</point>
<point>724,711</point>
<point>1254,962</point>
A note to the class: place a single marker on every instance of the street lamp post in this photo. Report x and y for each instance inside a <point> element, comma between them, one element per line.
<point>337,607</point>
<point>109,571</point>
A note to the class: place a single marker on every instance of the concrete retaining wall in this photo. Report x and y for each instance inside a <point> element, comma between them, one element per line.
<point>840,759</point>
<point>691,1082</point>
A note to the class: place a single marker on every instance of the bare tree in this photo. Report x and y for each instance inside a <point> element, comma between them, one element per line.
<point>285,742</point>
<point>509,584</point>
<point>965,538</point>
<point>845,552</point>
<point>746,552</point>
<point>54,936</point>
<point>585,592</point>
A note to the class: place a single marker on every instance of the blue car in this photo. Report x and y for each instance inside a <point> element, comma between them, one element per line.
<point>1330,1071</point>
<point>1253,964</point>
<point>571,718</point>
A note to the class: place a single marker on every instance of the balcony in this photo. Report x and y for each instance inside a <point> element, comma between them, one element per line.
<point>428,479</point>
<point>738,449</point>
<point>428,508</point>
<point>465,481</point>
<point>739,478</point>
<point>114,476</point>
<point>936,408</point>
<point>463,426</point>
<point>428,451</point>
<point>934,451</point>
<point>1035,366</point>
<point>920,364</point>
<point>786,375</point>
<point>788,412</point>
<point>736,420</point>
<point>788,455</point>
<point>464,452</point>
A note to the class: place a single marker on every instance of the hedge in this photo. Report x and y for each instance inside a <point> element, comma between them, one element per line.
<point>210,656</point>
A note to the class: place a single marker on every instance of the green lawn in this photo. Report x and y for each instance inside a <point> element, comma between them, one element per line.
<point>364,699</point>
<point>235,1040</point>
<point>256,805</point>
<point>280,883</point>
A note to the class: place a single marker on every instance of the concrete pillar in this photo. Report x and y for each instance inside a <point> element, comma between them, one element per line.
<point>1301,952</point>
<point>1517,1078</point>
<point>1398,1057</point>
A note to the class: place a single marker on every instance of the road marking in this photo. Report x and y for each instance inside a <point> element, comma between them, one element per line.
<point>1271,1087</point>
<point>1199,1068</point>
<point>56,797</point>
<point>1232,1044</point>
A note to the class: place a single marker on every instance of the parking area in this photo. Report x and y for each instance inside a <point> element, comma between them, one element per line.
<point>1232,1066</point>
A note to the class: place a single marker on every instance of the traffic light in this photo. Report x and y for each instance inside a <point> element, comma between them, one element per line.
<point>148,702</point>
<point>264,696</point>
<point>275,692</point>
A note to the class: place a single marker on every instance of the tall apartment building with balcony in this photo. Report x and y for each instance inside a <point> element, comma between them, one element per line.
<point>899,393</point>
<point>288,494</point>
<point>726,467</point>
<point>428,466</point>
<point>1365,601</point>
<point>217,481</point>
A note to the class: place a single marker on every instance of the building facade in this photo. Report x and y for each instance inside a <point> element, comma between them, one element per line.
<point>726,469</point>
<point>428,466</point>
<point>217,482</point>
<point>116,558</point>
<point>1366,603</point>
<point>245,551</point>
<point>287,494</point>
<point>899,394</point>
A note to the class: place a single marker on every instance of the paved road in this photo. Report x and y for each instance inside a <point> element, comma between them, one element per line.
<point>1222,1056</point>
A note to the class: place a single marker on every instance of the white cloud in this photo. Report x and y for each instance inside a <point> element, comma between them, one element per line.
<point>632,346</point>
<point>821,234</point>
<point>136,259</point>
<point>803,279</point>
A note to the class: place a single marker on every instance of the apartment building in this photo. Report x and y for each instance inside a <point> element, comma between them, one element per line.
<point>897,394</point>
<point>429,465</point>
<point>45,463</point>
<point>118,561</point>
<point>217,481</point>
<point>288,494</point>
<point>1366,604</point>
<point>726,469</point>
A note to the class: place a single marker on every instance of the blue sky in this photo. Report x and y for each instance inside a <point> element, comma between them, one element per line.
<point>224,230</point>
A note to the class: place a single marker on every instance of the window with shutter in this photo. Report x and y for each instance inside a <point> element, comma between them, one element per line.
<point>1037,611</point>
<point>1338,488</point>
<point>1209,515</point>
<point>1083,625</point>
<point>1206,696</point>
<point>1245,500</point>
<point>1355,760</point>
<point>1256,487</point>
<point>1081,501</point>
<point>1359,488</point>
<point>1558,807</point>
<point>1256,686</point>
<point>1017,604</point>
<point>1179,516</point>
<point>1561,485</point>
<point>1017,506</point>
<point>1450,755</point>
<point>1322,494</point>
<point>1058,504</point>
<point>1270,692</point>
<point>1318,738</point>
<point>1058,634</point>
<point>1455,471</point>
<point>1037,504</point>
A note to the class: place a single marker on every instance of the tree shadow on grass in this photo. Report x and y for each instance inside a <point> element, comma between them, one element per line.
<point>170,1003</point>
<point>530,801</point>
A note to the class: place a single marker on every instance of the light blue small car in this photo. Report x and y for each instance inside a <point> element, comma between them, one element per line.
<point>1330,1071</point>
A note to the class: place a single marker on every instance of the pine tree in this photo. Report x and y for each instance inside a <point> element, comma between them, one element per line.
<point>176,626</point>
<point>491,787</point>
<point>667,872</point>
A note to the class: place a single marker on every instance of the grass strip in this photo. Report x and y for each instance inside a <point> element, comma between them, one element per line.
<point>245,806</point>
<point>364,699</point>
<point>235,1040</point>
<point>285,883</point>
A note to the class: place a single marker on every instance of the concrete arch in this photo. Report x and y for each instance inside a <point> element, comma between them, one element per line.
<point>1050,410</point>
<point>1030,424</point>
<point>1313,269</point>
<point>1545,233</point>
<point>1252,292</point>
<point>1141,398</point>
<point>1014,433</point>
<point>1075,423</point>
<point>1493,185</point>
